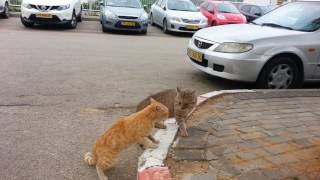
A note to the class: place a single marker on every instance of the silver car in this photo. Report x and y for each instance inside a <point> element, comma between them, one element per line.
<point>177,15</point>
<point>277,51</point>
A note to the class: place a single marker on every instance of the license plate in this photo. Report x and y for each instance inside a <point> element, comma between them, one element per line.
<point>195,55</point>
<point>125,23</point>
<point>192,27</point>
<point>42,15</point>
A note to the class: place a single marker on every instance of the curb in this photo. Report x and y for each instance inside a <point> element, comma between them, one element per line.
<point>151,162</point>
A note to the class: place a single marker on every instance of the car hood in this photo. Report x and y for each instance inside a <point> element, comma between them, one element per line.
<point>186,14</point>
<point>242,33</point>
<point>48,2</point>
<point>124,11</point>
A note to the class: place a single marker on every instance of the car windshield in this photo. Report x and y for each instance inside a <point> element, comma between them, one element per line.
<point>227,8</point>
<point>124,3</point>
<point>182,5</point>
<point>266,9</point>
<point>299,16</point>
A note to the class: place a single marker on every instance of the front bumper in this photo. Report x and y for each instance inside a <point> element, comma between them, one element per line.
<point>182,27</point>
<point>58,17</point>
<point>115,24</point>
<point>233,66</point>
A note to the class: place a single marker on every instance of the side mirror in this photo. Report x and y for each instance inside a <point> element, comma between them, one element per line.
<point>164,8</point>
<point>101,3</point>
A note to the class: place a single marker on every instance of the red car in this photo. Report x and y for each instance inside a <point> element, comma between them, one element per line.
<point>221,12</point>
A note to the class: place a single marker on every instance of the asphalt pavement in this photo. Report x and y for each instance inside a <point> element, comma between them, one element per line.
<point>61,89</point>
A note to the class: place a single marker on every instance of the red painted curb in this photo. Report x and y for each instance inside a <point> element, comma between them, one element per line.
<point>155,173</point>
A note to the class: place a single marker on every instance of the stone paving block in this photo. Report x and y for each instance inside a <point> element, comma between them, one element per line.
<point>253,135</point>
<point>260,152</point>
<point>210,156</point>
<point>280,173</point>
<point>191,143</point>
<point>302,143</point>
<point>230,121</point>
<point>224,133</point>
<point>250,144</point>
<point>249,124</point>
<point>280,148</point>
<point>297,129</point>
<point>282,159</point>
<point>272,126</point>
<point>246,155</point>
<point>189,154</point>
<point>255,175</point>
<point>277,139</point>
<point>195,132</point>
<point>248,129</point>
<point>210,175</point>
<point>301,135</point>
<point>253,165</point>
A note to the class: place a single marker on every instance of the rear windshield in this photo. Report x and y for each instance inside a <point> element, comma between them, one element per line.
<point>227,8</point>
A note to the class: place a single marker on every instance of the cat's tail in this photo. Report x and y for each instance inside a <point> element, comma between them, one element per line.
<point>90,159</point>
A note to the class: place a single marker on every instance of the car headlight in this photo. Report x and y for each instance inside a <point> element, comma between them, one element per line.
<point>234,47</point>
<point>173,18</point>
<point>28,6</point>
<point>110,15</point>
<point>144,17</point>
<point>219,16</point>
<point>64,7</point>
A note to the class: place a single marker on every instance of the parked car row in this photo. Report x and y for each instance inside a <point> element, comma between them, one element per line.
<point>279,50</point>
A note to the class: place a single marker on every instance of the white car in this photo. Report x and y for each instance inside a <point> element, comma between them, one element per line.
<point>4,8</point>
<point>277,51</point>
<point>66,12</point>
<point>177,15</point>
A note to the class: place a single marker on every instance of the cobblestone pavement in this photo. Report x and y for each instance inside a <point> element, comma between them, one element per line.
<point>261,135</point>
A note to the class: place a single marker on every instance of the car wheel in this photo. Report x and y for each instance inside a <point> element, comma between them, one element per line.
<point>165,26</point>
<point>280,73</point>
<point>26,24</point>
<point>144,32</point>
<point>73,22</point>
<point>213,23</point>
<point>6,11</point>
<point>104,29</point>
<point>151,20</point>
<point>79,18</point>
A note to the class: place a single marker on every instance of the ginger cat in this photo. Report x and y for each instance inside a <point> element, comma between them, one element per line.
<point>133,129</point>
<point>180,103</point>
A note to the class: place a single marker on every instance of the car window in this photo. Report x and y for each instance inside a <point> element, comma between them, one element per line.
<point>255,10</point>
<point>246,8</point>
<point>210,7</point>
<point>226,8</point>
<point>182,5</point>
<point>163,3</point>
<point>159,2</point>
<point>300,16</point>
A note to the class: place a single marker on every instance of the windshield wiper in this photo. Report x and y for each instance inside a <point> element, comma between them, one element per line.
<point>276,25</point>
<point>225,12</point>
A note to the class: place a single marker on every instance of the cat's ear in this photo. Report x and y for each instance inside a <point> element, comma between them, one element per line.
<point>152,100</point>
<point>178,89</point>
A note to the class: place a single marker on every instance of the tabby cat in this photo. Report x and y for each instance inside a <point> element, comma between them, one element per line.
<point>180,103</point>
<point>133,129</point>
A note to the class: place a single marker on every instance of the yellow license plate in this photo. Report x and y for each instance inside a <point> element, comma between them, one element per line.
<point>192,27</point>
<point>195,55</point>
<point>125,23</point>
<point>42,15</point>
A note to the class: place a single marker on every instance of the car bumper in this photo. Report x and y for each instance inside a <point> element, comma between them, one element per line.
<point>58,17</point>
<point>182,27</point>
<point>233,66</point>
<point>115,24</point>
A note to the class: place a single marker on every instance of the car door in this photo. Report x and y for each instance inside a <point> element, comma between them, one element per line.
<point>204,11</point>
<point>162,11</point>
<point>156,11</point>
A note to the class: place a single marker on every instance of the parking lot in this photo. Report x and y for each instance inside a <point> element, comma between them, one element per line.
<point>61,89</point>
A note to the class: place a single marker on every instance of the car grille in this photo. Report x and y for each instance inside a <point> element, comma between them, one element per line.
<point>118,25</point>
<point>43,8</point>
<point>191,21</point>
<point>202,44</point>
<point>127,17</point>
<point>54,19</point>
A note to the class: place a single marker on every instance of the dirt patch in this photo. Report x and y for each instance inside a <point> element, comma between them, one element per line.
<point>179,169</point>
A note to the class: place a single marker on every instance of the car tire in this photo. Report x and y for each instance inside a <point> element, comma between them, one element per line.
<point>280,73</point>
<point>213,23</point>
<point>79,18</point>
<point>26,24</point>
<point>165,26</point>
<point>6,11</point>
<point>144,32</point>
<point>151,20</point>
<point>104,29</point>
<point>73,22</point>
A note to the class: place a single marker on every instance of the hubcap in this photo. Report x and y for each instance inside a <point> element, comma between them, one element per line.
<point>164,26</point>
<point>73,21</point>
<point>280,77</point>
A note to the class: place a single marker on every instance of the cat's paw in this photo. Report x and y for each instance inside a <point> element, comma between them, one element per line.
<point>153,146</point>
<point>184,133</point>
<point>156,141</point>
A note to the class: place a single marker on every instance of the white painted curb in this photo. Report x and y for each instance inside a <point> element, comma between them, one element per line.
<point>155,157</point>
